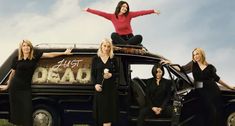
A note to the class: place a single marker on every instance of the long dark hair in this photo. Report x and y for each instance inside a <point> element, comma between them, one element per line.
<point>154,69</point>
<point>119,6</point>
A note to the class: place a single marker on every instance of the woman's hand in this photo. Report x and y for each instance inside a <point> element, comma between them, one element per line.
<point>164,61</point>
<point>3,87</point>
<point>157,110</point>
<point>98,87</point>
<point>221,82</point>
<point>107,75</point>
<point>232,88</point>
<point>85,9</point>
<point>157,12</point>
<point>68,51</point>
<point>229,87</point>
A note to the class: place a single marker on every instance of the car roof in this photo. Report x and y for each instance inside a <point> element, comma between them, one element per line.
<point>127,50</point>
<point>134,51</point>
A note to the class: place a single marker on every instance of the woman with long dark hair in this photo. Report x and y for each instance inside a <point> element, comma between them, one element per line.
<point>158,95</point>
<point>121,20</point>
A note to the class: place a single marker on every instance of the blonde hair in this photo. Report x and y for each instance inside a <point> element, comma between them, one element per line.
<point>202,54</point>
<point>20,52</point>
<point>109,41</point>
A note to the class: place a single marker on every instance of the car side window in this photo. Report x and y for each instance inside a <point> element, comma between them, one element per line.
<point>73,69</point>
<point>143,71</point>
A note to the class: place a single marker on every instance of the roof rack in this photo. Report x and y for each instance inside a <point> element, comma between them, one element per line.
<point>66,45</point>
<point>128,49</point>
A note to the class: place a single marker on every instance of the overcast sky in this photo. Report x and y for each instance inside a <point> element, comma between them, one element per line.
<point>181,26</point>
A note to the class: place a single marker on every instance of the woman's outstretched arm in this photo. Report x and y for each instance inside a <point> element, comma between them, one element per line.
<point>99,13</point>
<point>55,54</point>
<point>134,14</point>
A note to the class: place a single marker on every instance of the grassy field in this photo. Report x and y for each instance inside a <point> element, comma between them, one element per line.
<point>4,122</point>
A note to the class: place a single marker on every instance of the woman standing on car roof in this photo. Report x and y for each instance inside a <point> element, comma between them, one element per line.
<point>104,74</point>
<point>19,82</point>
<point>205,78</point>
<point>121,20</point>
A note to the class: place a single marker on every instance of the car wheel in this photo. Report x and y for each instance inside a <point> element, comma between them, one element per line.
<point>231,119</point>
<point>45,116</point>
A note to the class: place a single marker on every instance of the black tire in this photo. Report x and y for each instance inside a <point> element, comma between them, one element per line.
<point>230,118</point>
<point>45,116</point>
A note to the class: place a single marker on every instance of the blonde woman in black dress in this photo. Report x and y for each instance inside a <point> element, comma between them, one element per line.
<point>104,73</point>
<point>19,82</point>
<point>205,77</point>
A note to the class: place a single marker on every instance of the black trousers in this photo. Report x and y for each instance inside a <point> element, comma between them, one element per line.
<point>129,39</point>
<point>148,112</point>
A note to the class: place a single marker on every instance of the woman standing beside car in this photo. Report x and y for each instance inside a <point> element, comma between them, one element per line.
<point>19,82</point>
<point>205,78</point>
<point>104,73</point>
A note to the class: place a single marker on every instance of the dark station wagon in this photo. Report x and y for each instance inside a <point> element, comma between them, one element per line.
<point>63,91</point>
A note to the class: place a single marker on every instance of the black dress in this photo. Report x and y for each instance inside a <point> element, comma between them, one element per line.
<point>20,91</point>
<point>106,101</point>
<point>156,96</point>
<point>209,94</point>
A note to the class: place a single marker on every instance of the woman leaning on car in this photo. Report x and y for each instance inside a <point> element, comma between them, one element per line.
<point>205,78</point>
<point>19,82</point>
